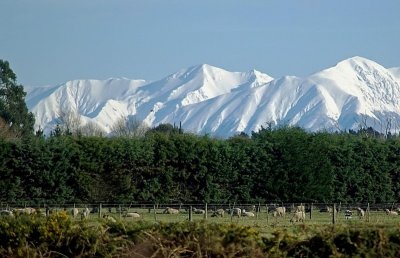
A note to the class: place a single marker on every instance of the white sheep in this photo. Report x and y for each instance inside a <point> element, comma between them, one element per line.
<point>26,210</point>
<point>132,215</point>
<point>236,212</point>
<point>391,213</point>
<point>109,218</point>
<point>218,213</point>
<point>247,213</point>
<point>279,212</point>
<point>74,212</point>
<point>169,210</point>
<point>298,216</point>
<point>29,210</point>
<point>85,213</point>
<point>360,212</point>
<point>199,211</point>
<point>300,208</point>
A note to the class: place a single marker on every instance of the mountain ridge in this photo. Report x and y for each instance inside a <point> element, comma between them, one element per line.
<point>210,100</point>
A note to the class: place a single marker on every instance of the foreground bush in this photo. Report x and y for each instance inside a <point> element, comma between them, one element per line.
<point>32,236</point>
<point>58,236</point>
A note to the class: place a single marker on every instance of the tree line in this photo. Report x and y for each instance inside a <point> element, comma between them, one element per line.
<point>284,164</point>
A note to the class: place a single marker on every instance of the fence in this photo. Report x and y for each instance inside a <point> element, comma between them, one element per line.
<point>318,212</point>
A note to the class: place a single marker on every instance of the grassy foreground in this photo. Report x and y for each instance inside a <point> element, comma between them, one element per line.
<point>59,236</point>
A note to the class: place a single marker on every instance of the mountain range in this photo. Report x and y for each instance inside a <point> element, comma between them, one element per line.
<point>356,92</point>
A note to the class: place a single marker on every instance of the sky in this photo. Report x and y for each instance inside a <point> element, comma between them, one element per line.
<point>48,42</point>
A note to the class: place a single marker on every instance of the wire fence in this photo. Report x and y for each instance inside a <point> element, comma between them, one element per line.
<point>270,212</point>
<point>179,205</point>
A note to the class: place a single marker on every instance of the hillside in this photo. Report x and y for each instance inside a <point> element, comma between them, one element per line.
<point>205,99</point>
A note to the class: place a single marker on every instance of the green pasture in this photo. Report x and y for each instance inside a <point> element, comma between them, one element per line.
<point>264,222</point>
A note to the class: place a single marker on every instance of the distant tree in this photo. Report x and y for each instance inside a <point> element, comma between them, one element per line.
<point>91,129</point>
<point>13,109</point>
<point>129,127</point>
<point>167,128</point>
<point>69,122</point>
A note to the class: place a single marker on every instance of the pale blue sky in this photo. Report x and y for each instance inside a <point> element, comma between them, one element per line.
<point>52,41</point>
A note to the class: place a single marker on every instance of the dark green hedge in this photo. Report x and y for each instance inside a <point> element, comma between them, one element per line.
<point>286,164</point>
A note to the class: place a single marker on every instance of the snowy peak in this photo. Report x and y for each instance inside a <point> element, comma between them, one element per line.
<point>375,87</point>
<point>358,61</point>
<point>199,83</point>
<point>208,99</point>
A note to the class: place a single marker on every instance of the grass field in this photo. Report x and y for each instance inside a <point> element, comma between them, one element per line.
<point>264,222</point>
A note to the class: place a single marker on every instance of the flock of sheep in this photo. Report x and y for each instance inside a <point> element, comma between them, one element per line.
<point>215,213</point>
<point>298,213</point>
<point>74,212</point>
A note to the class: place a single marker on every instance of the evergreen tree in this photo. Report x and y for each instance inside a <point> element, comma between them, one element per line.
<point>13,108</point>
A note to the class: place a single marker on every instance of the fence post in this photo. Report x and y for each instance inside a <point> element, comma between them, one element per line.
<point>190,213</point>
<point>234,204</point>
<point>205,214</point>
<point>368,213</point>
<point>119,206</point>
<point>258,210</point>
<point>155,213</point>
<point>100,206</point>
<point>267,212</point>
<point>334,214</point>
<point>311,207</point>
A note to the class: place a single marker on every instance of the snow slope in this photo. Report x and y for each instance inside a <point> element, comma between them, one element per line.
<point>105,102</point>
<point>207,99</point>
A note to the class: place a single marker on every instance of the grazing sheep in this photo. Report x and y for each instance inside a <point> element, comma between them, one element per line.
<point>109,218</point>
<point>360,212</point>
<point>247,213</point>
<point>27,210</point>
<point>85,213</point>
<point>218,213</point>
<point>74,212</point>
<point>6,213</point>
<point>132,215</point>
<point>298,216</point>
<point>169,210</point>
<point>391,213</point>
<point>199,211</point>
<point>348,214</point>
<point>236,212</point>
<point>279,212</point>
<point>300,208</point>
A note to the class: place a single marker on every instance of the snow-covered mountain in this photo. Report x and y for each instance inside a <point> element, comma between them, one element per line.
<point>205,99</point>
